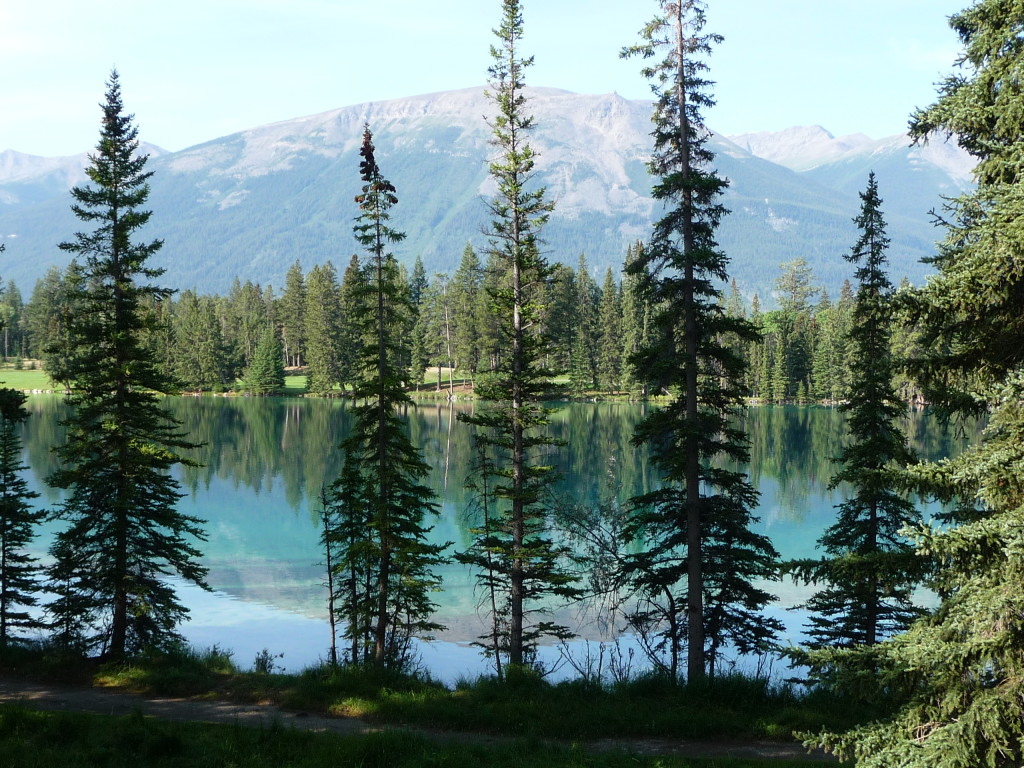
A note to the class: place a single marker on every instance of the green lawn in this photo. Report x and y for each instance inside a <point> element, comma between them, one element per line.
<point>294,385</point>
<point>25,379</point>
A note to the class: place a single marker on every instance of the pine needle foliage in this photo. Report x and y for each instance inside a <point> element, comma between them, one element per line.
<point>517,554</point>
<point>870,569</point>
<point>388,470</point>
<point>265,374</point>
<point>125,536</point>
<point>961,669</point>
<point>702,503</point>
<point>20,574</point>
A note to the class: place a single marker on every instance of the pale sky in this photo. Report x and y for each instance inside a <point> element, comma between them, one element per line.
<point>195,70</point>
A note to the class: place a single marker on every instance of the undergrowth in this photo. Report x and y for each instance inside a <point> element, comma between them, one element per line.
<point>730,707</point>
<point>32,739</point>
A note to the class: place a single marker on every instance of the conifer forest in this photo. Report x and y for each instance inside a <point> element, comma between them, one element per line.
<point>519,332</point>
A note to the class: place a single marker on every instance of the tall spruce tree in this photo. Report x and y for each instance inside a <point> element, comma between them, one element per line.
<point>390,470</point>
<point>321,323</point>
<point>961,667</point>
<point>517,550</point>
<point>124,536</point>
<point>703,505</point>
<point>199,357</point>
<point>265,374</point>
<point>466,291</point>
<point>869,570</point>
<point>20,575</point>
<point>610,345</point>
<point>292,315</point>
<point>636,320</point>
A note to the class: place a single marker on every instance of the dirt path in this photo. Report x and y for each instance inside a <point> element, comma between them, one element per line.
<point>111,702</point>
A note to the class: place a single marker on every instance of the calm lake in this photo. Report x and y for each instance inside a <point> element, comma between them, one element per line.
<point>265,460</point>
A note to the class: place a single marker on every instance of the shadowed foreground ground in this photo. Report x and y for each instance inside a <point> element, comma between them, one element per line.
<point>111,702</point>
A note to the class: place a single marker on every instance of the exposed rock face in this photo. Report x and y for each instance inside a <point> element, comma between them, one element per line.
<point>250,203</point>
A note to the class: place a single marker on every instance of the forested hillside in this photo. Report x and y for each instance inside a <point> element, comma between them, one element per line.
<point>250,204</point>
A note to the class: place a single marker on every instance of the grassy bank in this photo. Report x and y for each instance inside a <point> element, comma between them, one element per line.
<point>733,708</point>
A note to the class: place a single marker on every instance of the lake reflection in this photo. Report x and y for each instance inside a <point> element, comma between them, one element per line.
<point>264,462</point>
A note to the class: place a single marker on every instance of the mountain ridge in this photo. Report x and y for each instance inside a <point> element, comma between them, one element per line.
<point>251,203</point>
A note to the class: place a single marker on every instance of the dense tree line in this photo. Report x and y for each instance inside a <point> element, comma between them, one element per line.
<point>592,328</point>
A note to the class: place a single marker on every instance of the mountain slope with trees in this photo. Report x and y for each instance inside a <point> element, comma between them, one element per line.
<point>252,203</point>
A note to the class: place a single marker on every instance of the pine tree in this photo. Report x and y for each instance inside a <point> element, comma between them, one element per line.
<point>292,313</point>
<point>511,419</point>
<point>51,324</point>
<point>869,570</point>
<point>960,669</point>
<point>610,350</point>
<point>467,284</point>
<point>20,576</point>
<point>586,319</point>
<point>124,535</point>
<point>561,317</point>
<point>390,469</point>
<point>349,341</point>
<point>636,319</point>
<point>198,349</point>
<point>246,315</point>
<point>702,505</point>
<point>321,323</point>
<point>265,374</point>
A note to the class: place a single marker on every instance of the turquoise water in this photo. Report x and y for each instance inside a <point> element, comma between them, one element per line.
<point>265,460</point>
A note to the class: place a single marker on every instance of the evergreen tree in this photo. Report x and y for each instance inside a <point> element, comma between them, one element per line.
<point>960,668</point>
<point>321,321</point>
<point>636,319</point>
<point>19,573</point>
<point>495,277</point>
<point>418,283</point>
<point>51,317</point>
<point>702,505</point>
<point>11,310</point>
<point>828,351</point>
<point>511,419</point>
<point>586,320</point>
<point>265,374</point>
<point>420,356</point>
<point>246,315</point>
<point>124,535</point>
<point>292,311</point>
<point>610,350</point>
<point>350,343</point>
<point>467,283</point>
<point>199,360</point>
<point>869,569</point>
<point>906,348</point>
<point>390,469</point>
<point>560,316</point>
<point>42,310</point>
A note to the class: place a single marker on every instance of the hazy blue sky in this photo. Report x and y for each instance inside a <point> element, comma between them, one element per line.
<point>193,70</point>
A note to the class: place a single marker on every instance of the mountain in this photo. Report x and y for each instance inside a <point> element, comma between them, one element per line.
<point>800,147</point>
<point>251,203</point>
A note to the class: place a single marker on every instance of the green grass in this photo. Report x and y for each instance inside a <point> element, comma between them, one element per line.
<point>32,739</point>
<point>25,379</point>
<point>294,385</point>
